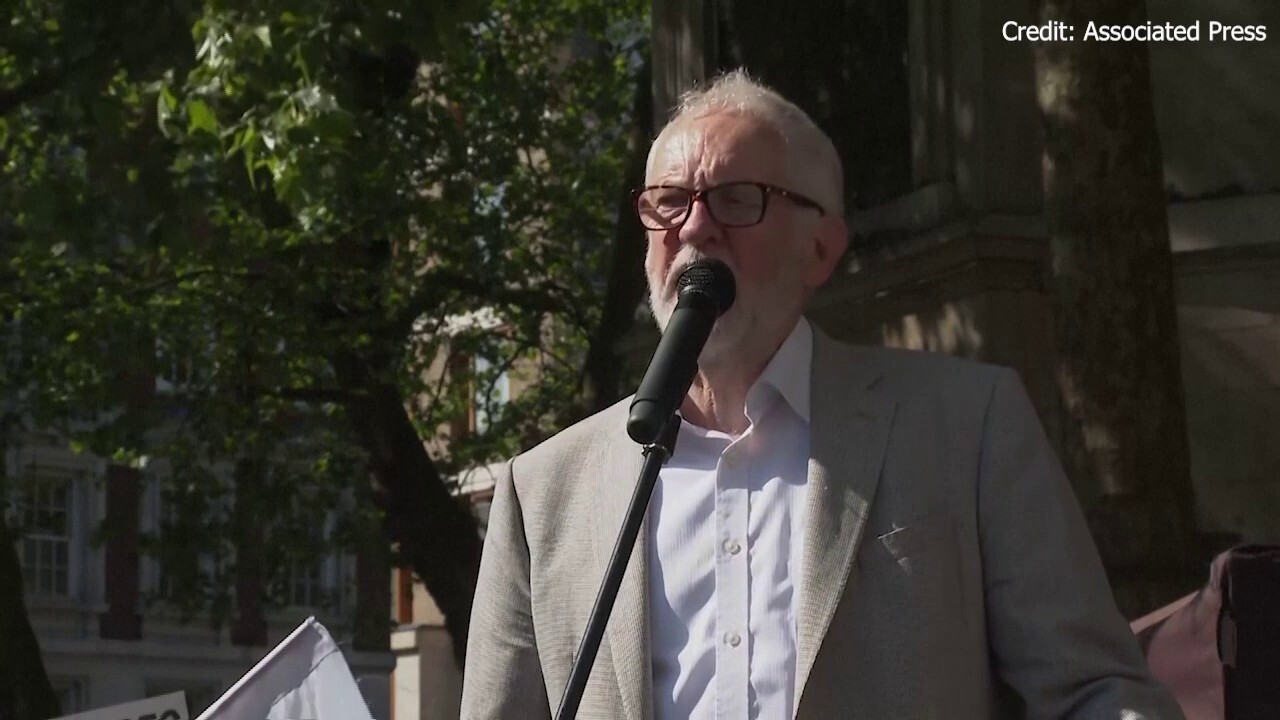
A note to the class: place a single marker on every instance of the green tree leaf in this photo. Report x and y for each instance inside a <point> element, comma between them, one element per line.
<point>201,118</point>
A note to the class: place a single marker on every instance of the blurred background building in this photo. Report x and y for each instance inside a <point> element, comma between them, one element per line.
<point>88,593</point>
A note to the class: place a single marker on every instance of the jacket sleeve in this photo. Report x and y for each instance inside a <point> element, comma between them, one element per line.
<point>503,677</point>
<point>1056,636</point>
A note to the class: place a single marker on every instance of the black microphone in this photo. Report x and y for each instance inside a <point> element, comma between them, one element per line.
<point>705,290</point>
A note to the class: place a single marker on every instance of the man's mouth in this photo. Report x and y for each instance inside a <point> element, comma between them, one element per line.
<point>678,267</point>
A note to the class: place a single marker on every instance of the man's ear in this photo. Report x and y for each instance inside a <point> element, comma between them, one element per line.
<point>830,240</point>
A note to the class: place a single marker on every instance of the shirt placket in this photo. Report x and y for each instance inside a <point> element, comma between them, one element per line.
<point>732,585</point>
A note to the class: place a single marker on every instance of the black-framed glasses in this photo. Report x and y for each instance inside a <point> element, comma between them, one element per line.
<point>735,204</point>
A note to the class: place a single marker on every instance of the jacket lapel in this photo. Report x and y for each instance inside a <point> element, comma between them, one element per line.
<point>849,432</point>
<point>628,627</point>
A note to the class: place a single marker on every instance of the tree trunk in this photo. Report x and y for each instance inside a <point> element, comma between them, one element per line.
<point>1111,282</point>
<point>604,370</point>
<point>437,535</point>
<point>371,629</point>
<point>25,692</point>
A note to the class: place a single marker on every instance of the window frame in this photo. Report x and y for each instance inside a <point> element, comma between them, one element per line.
<point>42,457</point>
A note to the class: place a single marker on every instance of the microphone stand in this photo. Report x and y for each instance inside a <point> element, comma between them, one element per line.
<point>655,456</point>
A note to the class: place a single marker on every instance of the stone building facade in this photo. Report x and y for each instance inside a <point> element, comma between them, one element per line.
<point>88,592</point>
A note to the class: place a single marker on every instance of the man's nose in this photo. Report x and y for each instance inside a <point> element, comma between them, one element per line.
<point>700,227</point>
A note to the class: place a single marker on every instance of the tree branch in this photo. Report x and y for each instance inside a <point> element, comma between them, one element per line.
<point>545,300</point>
<point>313,394</point>
<point>39,85</point>
<point>445,372</point>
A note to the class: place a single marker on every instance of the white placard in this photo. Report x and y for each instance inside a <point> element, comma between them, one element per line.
<point>165,707</point>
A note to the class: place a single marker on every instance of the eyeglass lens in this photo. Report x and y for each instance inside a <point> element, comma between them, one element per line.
<point>734,204</point>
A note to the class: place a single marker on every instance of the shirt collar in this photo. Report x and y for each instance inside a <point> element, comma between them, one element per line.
<point>787,374</point>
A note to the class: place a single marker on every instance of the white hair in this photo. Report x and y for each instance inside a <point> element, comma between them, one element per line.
<point>813,164</point>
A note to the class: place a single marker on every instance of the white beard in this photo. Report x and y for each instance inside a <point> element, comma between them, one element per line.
<point>662,291</point>
<point>751,319</point>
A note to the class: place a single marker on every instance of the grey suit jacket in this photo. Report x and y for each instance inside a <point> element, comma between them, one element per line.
<point>947,572</point>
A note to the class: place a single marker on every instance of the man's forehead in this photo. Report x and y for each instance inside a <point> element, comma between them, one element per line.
<point>713,141</point>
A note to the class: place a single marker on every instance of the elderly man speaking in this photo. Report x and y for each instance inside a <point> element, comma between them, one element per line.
<point>842,532</point>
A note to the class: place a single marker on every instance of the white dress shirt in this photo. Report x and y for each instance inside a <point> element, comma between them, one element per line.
<point>725,529</point>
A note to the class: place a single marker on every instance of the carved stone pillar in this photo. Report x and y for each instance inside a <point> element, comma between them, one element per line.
<point>685,47</point>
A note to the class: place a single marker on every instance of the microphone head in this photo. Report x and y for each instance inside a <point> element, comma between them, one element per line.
<point>712,278</point>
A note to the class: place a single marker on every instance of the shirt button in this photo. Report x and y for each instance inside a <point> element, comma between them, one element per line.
<point>732,639</point>
<point>732,547</point>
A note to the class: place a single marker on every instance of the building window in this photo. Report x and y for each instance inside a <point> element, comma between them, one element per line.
<point>175,562</point>
<point>304,584</point>
<point>150,578</point>
<point>326,582</point>
<point>51,516</point>
<point>492,391</point>
<point>480,509</point>
<point>312,573</point>
<point>177,371</point>
<point>45,510</point>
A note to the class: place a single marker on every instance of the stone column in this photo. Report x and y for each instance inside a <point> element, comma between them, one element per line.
<point>931,85</point>
<point>685,46</point>
<point>996,134</point>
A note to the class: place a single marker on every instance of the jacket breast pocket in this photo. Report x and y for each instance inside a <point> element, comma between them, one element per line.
<point>917,564</point>
<point>913,539</point>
